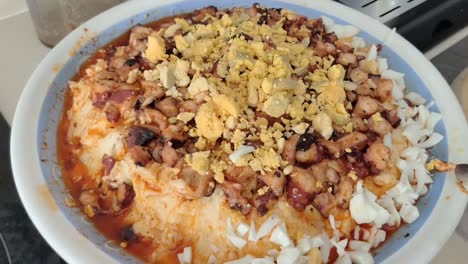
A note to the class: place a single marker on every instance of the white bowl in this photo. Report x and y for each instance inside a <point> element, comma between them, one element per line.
<point>33,139</point>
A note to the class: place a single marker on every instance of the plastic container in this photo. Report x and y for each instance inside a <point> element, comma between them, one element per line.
<point>54,19</point>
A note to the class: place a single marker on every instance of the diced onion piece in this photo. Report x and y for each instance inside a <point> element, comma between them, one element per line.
<point>397,77</point>
<point>316,241</point>
<point>340,246</point>
<point>212,259</point>
<point>267,226</point>
<point>280,236</point>
<point>344,31</point>
<point>431,141</point>
<point>273,253</point>
<point>325,247</point>
<point>372,54</point>
<point>357,230</point>
<point>245,260</point>
<point>432,120</point>
<point>365,210</point>
<point>240,151</point>
<point>185,256</point>
<point>331,219</point>
<point>383,65</point>
<point>242,229</point>
<point>345,259</point>
<point>358,42</point>
<point>288,256</point>
<point>238,242</point>
<point>252,231</point>
<point>415,98</point>
<point>356,245</point>
<point>387,140</point>
<point>265,260</point>
<point>409,213</point>
<point>359,257</point>
<point>304,245</point>
<point>379,237</point>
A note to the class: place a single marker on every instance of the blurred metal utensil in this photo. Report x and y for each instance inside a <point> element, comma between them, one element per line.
<point>461,170</point>
<point>54,19</point>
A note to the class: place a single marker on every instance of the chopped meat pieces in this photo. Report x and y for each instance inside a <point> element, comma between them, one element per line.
<point>235,199</point>
<point>108,163</point>
<point>378,154</point>
<point>289,150</point>
<point>263,202</point>
<point>324,202</point>
<point>365,106</point>
<point>140,156</point>
<point>314,154</point>
<point>139,136</point>
<point>275,180</point>
<point>169,155</point>
<point>168,107</point>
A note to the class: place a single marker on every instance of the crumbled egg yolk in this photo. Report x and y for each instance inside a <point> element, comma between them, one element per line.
<point>211,115</point>
<point>199,161</point>
<point>276,105</point>
<point>156,49</point>
<point>322,123</point>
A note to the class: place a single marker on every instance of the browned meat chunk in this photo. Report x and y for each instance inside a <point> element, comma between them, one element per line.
<point>301,188</point>
<point>120,95</point>
<point>381,127</point>
<point>235,199</point>
<point>175,131</point>
<point>378,154</point>
<point>289,150</point>
<point>169,155</point>
<point>384,89</point>
<point>343,192</point>
<point>392,117</point>
<point>358,124</point>
<point>168,107</point>
<point>112,113</point>
<point>263,202</point>
<point>197,184</point>
<point>139,136</point>
<point>275,180</point>
<point>140,156</point>
<point>365,106</point>
<point>198,15</point>
<point>108,163</point>
<point>314,154</point>
<point>346,58</point>
<point>324,202</point>
<point>357,75</point>
<point>355,140</point>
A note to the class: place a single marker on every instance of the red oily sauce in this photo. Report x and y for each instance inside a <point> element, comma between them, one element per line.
<point>112,226</point>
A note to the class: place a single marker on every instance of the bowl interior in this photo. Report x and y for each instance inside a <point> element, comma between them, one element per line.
<point>52,108</point>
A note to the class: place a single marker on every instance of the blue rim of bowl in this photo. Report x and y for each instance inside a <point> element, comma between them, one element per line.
<point>52,106</point>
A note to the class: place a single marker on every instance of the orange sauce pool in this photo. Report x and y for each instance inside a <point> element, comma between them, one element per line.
<point>109,225</point>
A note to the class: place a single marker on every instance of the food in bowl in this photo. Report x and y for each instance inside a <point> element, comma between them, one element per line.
<point>243,135</point>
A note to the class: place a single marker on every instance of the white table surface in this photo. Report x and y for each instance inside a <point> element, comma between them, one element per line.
<point>21,51</point>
